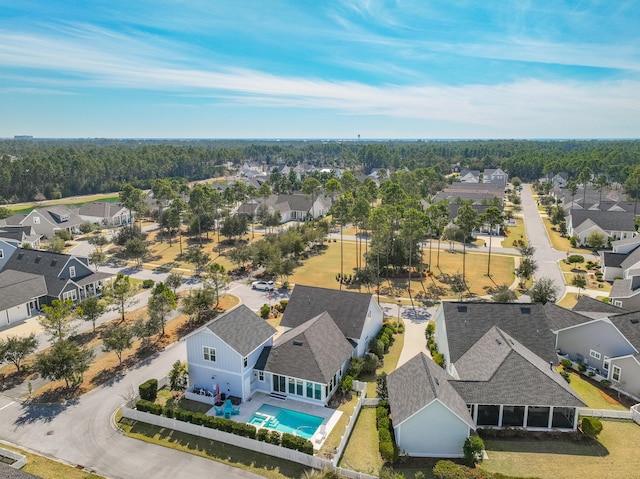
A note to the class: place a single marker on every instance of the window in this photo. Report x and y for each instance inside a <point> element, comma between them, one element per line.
<point>72,295</point>
<point>36,220</point>
<point>594,354</point>
<point>209,354</point>
<point>245,361</point>
<point>317,391</point>
<point>615,375</point>
<point>72,271</point>
<point>309,389</point>
<point>618,304</point>
<point>605,365</point>
<point>1,254</point>
<point>260,375</point>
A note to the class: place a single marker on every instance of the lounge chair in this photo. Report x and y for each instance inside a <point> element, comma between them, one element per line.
<point>235,410</point>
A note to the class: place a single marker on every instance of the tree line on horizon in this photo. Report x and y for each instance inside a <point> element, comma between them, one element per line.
<point>50,169</point>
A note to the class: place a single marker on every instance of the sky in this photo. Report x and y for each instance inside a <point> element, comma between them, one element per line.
<point>342,69</point>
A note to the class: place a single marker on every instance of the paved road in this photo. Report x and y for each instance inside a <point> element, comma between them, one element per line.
<point>81,433</point>
<point>546,257</point>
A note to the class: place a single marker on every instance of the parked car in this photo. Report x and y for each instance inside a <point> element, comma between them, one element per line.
<point>263,285</point>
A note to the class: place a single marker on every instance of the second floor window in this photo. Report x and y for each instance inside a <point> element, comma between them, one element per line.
<point>209,354</point>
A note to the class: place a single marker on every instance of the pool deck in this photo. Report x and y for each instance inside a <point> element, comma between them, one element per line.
<point>329,416</point>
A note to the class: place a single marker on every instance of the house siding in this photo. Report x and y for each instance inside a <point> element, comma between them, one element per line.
<point>629,375</point>
<point>600,336</point>
<point>227,369</point>
<point>14,314</point>
<point>421,435</point>
<point>81,269</point>
<point>442,341</point>
<point>630,304</point>
<point>372,325</point>
<point>7,251</point>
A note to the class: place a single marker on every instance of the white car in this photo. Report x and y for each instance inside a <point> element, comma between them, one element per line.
<point>263,285</point>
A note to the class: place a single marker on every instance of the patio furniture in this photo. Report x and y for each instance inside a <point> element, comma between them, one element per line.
<point>228,408</point>
<point>219,410</point>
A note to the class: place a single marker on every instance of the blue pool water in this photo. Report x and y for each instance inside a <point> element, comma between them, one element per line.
<point>285,420</point>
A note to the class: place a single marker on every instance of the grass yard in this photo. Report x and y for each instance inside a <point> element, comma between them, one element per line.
<point>245,459</point>
<point>593,396</point>
<point>516,232</point>
<point>388,366</point>
<point>48,468</point>
<point>560,243</point>
<point>333,439</point>
<point>321,270</point>
<point>568,271</point>
<point>568,301</point>
<point>614,456</point>
<point>362,453</point>
<point>76,202</point>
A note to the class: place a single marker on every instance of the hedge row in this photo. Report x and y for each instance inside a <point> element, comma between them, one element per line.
<point>227,425</point>
<point>388,449</point>
<point>149,389</point>
<point>451,470</point>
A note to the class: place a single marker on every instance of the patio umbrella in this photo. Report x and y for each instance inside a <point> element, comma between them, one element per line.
<point>217,392</point>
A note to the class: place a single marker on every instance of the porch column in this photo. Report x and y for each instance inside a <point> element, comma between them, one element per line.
<point>526,417</point>
<point>500,415</point>
<point>575,418</point>
<point>550,422</point>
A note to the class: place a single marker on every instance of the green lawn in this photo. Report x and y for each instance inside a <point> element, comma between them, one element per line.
<point>260,464</point>
<point>362,453</point>
<point>614,456</point>
<point>593,397</point>
<point>516,232</point>
<point>48,468</point>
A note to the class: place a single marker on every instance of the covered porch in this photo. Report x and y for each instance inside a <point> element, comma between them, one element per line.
<point>525,417</point>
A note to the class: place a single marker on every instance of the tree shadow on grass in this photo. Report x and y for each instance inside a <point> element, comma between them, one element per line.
<point>218,451</point>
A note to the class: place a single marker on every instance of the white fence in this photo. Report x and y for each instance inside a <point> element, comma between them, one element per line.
<point>635,413</point>
<point>604,413</point>
<point>19,459</point>
<point>227,438</point>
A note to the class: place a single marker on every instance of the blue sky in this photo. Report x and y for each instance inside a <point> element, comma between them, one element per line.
<point>320,69</point>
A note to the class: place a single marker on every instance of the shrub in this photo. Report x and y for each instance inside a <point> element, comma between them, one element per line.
<point>296,442</point>
<point>143,405</point>
<point>147,283</point>
<point>168,411</point>
<point>388,452</point>
<point>383,423</point>
<point>346,384</point>
<point>378,348</point>
<point>385,342</point>
<point>370,363</point>
<point>149,390</point>
<point>565,375</point>
<point>582,368</point>
<point>262,435</point>
<point>355,366</point>
<point>449,470</point>
<point>430,331</point>
<point>283,304</point>
<point>605,383</point>
<point>381,386</point>
<point>472,450</point>
<point>274,438</point>
<point>566,363</point>
<point>265,310</point>
<point>575,258</point>
<point>244,430</point>
<point>591,426</point>
<point>438,359</point>
<point>388,330</point>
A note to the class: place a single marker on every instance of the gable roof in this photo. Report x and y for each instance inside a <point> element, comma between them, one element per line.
<point>347,309</point>
<point>18,288</point>
<point>467,322</point>
<point>561,318</point>
<point>8,472</point>
<point>631,259</point>
<point>629,325</point>
<point>417,383</point>
<point>43,263</point>
<point>589,304</point>
<point>607,220</point>
<point>314,351</point>
<point>612,260</point>
<point>506,372</point>
<point>624,288</point>
<point>241,329</point>
<point>101,209</point>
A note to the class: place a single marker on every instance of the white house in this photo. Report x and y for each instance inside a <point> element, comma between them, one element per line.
<point>614,225</point>
<point>238,354</point>
<point>104,213</point>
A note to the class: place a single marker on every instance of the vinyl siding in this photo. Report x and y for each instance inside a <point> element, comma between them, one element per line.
<point>600,336</point>
<point>629,375</point>
<point>421,435</point>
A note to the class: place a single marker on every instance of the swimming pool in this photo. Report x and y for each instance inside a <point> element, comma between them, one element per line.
<point>285,420</point>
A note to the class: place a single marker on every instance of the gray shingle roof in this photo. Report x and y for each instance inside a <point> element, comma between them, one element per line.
<point>8,472</point>
<point>629,326</point>
<point>417,383</point>
<point>43,263</point>
<point>631,259</point>
<point>613,260</point>
<point>607,220</point>
<point>348,309</point>
<point>589,304</point>
<point>626,241</point>
<point>621,288</point>
<point>315,351</point>
<point>18,288</point>
<point>561,318</point>
<point>527,323</point>
<point>241,329</point>
<point>101,209</point>
<point>518,376</point>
